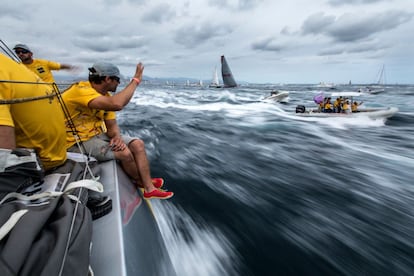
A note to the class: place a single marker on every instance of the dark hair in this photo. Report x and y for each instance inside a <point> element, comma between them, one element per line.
<point>96,79</point>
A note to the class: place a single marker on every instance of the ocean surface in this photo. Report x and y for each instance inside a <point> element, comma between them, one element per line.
<point>259,191</point>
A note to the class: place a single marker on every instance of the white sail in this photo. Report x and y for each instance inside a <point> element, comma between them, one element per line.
<point>215,81</point>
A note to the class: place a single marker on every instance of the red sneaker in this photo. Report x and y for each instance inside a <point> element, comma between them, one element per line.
<point>158,182</point>
<point>158,194</point>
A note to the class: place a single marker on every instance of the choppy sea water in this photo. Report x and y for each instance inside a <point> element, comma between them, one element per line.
<point>259,191</point>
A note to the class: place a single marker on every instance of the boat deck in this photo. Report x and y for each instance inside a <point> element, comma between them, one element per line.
<point>127,241</point>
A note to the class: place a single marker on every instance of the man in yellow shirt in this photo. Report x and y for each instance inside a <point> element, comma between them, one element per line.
<point>38,124</point>
<point>43,68</point>
<point>355,105</point>
<point>92,112</point>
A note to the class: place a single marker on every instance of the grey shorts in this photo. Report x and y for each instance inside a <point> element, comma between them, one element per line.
<point>99,148</point>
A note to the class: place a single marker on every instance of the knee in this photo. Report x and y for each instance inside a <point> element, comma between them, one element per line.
<point>137,145</point>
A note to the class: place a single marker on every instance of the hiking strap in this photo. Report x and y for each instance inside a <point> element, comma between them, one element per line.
<point>11,222</point>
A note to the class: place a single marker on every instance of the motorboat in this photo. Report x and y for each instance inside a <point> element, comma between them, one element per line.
<point>370,112</point>
<point>278,96</point>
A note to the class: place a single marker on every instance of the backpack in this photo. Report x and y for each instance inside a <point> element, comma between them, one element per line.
<point>46,228</point>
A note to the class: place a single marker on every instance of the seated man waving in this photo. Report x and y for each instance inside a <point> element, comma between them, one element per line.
<point>92,112</point>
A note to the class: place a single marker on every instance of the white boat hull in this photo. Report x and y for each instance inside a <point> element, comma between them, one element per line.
<point>282,97</point>
<point>127,241</point>
<point>373,113</point>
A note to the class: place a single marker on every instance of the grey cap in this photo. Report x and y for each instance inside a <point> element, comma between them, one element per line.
<point>105,69</point>
<point>22,46</point>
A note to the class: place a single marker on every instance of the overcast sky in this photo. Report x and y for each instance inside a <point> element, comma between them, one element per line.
<point>264,41</point>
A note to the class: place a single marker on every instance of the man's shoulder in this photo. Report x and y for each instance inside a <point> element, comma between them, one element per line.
<point>40,61</point>
<point>82,89</point>
<point>81,85</point>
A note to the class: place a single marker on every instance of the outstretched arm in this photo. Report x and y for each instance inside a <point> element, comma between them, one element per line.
<point>122,98</point>
<point>69,67</point>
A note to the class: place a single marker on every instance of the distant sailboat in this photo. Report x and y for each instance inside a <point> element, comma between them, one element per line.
<point>379,86</point>
<point>215,81</point>
<point>228,79</point>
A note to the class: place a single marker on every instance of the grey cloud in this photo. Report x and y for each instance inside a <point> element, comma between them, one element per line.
<point>267,44</point>
<point>137,1</point>
<point>370,47</point>
<point>239,5</point>
<point>353,27</point>
<point>352,2</point>
<point>106,43</point>
<point>331,52</point>
<point>285,31</point>
<point>317,23</point>
<point>161,13</point>
<point>192,36</point>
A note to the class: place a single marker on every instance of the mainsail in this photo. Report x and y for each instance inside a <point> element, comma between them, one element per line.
<point>228,79</point>
<point>215,81</point>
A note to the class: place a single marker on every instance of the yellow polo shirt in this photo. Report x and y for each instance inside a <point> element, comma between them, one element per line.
<point>43,68</point>
<point>88,122</point>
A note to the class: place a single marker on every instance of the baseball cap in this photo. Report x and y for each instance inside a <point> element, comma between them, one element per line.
<point>22,46</point>
<point>104,69</point>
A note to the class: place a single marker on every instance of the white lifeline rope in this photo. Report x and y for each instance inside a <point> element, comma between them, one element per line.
<point>84,183</point>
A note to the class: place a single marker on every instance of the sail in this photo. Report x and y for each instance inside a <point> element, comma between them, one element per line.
<point>381,76</point>
<point>228,79</point>
<point>215,80</point>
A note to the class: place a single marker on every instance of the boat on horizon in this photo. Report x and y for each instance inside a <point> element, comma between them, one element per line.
<point>379,86</point>
<point>326,85</point>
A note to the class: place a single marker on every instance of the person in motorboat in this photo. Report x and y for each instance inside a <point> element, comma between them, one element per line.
<point>346,108</point>
<point>41,67</point>
<point>321,105</point>
<point>92,109</point>
<point>337,104</point>
<point>355,105</point>
<point>328,106</point>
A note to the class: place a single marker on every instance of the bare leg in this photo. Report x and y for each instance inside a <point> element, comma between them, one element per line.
<point>128,164</point>
<point>137,148</point>
<point>135,163</point>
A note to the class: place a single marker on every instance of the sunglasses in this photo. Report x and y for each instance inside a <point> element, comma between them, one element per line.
<point>21,52</point>
<point>115,79</point>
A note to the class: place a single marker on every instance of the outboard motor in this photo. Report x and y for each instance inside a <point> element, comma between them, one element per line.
<point>300,109</point>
